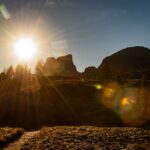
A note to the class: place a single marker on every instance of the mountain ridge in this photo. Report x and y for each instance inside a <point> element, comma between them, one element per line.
<point>130,62</point>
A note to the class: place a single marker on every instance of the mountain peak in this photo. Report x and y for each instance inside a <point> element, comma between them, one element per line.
<point>130,62</point>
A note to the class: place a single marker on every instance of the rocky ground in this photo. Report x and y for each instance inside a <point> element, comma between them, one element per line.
<point>17,143</point>
<point>8,135</point>
<point>84,137</point>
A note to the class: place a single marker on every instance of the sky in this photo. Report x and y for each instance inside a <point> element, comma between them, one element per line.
<point>90,30</point>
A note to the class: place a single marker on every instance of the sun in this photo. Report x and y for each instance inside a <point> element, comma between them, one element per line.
<point>25,48</point>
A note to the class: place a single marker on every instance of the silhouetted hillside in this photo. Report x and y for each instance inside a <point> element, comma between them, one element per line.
<point>61,66</point>
<point>90,73</point>
<point>131,62</point>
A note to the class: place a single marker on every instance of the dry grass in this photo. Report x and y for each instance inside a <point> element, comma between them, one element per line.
<point>8,135</point>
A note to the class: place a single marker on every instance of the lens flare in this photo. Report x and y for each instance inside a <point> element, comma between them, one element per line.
<point>98,86</point>
<point>130,103</point>
<point>108,95</point>
<point>4,12</point>
<point>132,108</point>
<point>108,92</point>
<point>125,102</point>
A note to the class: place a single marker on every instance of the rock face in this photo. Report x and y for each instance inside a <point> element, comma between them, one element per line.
<point>62,66</point>
<point>90,73</point>
<point>133,62</point>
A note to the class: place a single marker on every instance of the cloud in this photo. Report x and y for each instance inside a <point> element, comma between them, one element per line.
<point>58,3</point>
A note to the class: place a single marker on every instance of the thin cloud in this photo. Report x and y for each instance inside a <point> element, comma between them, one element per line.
<point>58,3</point>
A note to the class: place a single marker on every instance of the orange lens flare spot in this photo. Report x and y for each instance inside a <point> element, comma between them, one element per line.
<point>108,92</point>
<point>125,101</point>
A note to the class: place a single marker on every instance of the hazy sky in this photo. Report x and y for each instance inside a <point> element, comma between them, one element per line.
<point>88,29</point>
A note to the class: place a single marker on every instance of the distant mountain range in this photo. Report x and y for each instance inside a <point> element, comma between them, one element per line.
<point>132,62</point>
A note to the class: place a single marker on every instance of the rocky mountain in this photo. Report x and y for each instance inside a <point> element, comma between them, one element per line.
<point>90,73</point>
<point>132,62</point>
<point>61,66</point>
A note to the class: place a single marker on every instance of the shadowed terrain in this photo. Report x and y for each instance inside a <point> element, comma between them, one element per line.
<point>54,102</point>
<point>83,137</point>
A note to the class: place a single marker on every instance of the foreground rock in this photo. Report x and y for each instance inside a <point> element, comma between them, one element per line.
<point>8,135</point>
<point>15,145</point>
<point>88,137</point>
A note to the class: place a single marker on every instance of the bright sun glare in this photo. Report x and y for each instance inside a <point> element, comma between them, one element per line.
<point>25,48</point>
